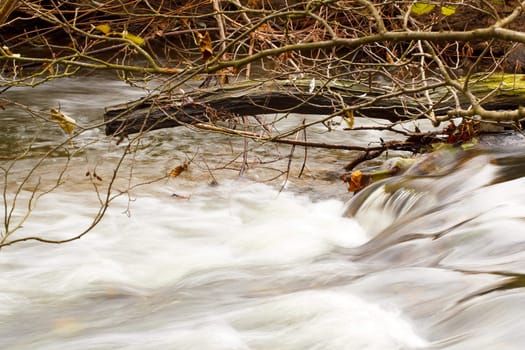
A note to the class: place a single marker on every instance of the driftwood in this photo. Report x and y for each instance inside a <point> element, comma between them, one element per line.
<point>301,96</point>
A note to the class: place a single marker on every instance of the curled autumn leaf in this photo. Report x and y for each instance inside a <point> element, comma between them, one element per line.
<point>67,124</point>
<point>357,180</point>
<point>205,45</point>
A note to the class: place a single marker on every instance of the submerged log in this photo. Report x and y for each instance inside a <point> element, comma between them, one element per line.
<point>299,96</point>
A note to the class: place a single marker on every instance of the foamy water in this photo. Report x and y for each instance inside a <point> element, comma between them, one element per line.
<point>233,267</point>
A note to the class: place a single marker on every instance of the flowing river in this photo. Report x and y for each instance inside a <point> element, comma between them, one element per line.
<point>211,260</point>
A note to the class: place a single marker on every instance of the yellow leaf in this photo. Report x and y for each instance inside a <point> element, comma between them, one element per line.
<point>421,8</point>
<point>104,28</point>
<point>348,117</point>
<point>66,123</point>
<point>136,39</point>
<point>448,10</point>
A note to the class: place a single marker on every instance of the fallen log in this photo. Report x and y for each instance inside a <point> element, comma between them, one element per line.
<point>244,98</point>
<point>302,96</point>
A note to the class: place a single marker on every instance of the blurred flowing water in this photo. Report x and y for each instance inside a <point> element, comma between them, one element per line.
<point>415,262</point>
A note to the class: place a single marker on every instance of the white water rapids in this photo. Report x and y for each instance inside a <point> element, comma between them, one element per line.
<point>423,265</point>
<point>232,268</point>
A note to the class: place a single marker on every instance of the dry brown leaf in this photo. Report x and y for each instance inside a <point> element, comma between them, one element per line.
<point>348,117</point>
<point>254,4</point>
<point>389,58</point>
<point>205,45</point>
<point>179,169</point>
